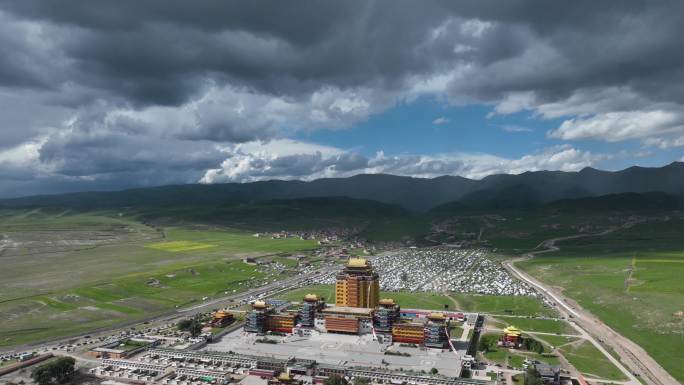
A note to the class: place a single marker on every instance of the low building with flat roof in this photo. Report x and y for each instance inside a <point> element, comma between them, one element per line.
<point>550,375</point>
<point>123,348</point>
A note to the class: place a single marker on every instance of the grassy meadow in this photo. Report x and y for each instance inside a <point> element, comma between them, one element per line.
<point>632,280</point>
<point>513,357</point>
<point>64,273</point>
<point>503,304</point>
<point>590,361</point>
<point>526,306</point>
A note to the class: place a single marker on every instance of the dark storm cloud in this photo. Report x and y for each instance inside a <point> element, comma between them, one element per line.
<point>90,152</point>
<point>159,52</point>
<point>140,91</point>
<point>563,47</point>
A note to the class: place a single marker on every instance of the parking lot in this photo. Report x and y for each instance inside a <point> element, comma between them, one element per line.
<point>443,269</point>
<point>339,349</point>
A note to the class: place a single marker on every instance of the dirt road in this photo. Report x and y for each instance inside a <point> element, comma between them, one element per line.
<point>633,359</point>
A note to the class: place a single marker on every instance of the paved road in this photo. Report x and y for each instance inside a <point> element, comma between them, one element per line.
<point>632,355</point>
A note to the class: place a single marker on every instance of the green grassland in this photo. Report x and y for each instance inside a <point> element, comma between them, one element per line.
<point>406,300</point>
<point>179,246</point>
<point>513,357</point>
<point>420,300</point>
<point>590,361</point>
<point>526,306</point>
<point>288,262</point>
<point>69,272</point>
<point>503,304</point>
<point>515,231</point>
<point>555,341</point>
<point>632,280</point>
<point>290,214</point>
<point>324,291</point>
<point>579,352</point>
<point>396,229</point>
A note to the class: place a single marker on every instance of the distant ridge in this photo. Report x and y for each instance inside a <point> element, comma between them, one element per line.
<point>504,191</point>
<point>620,202</point>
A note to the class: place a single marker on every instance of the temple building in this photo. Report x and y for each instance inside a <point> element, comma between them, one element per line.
<point>256,321</point>
<point>386,315</point>
<point>222,318</point>
<point>436,335</point>
<point>311,305</point>
<point>412,332</point>
<point>350,320</point>
<point>284,379</point>
<point>281,322</point>
<point>357,285</point>
<point>511,337</point>
<point>358,310</point>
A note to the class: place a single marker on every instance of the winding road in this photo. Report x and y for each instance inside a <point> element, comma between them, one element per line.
<point>634,360</point>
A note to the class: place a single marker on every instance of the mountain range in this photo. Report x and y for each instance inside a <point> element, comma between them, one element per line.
<point>504,191</point>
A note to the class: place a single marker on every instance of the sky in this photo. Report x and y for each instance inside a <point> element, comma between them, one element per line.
<point>99,95</point>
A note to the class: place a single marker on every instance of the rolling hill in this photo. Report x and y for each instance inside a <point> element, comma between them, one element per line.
<point>503,191</point>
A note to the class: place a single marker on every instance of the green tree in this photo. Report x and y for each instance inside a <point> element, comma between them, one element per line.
<point>483,345</point>
<point>184,324</point>
<point>434,371</point>
<point>335,380</point>
<point>196,326</point>
<point>63,369</point>
<point>533,345</point>
<point>360,381</point>
<point>60,371</point>
<point>41,375</point>
<point>191,325</point>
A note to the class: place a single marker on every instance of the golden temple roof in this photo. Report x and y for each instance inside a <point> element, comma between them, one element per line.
<point>436,316</point>
<point>357,262</point>
<point>311,297</point>
<point>512,331</point>
<point>222,314</point>
<point>259,305</point>
<point>387,301</point>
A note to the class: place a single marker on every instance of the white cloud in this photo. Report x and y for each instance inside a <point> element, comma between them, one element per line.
<point>234,114</point>
<point>665,143</point>
<point>515,128</point>
<point>477,165</point>
<point>515,102</point>
<point>591,101</point>
<point>285,147</point>
<point>311,163</point>
<point>475,27</point>
<point>618,126</point>
<point>441,120</point>
<point>22,162</point>
<point>610,114</point>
